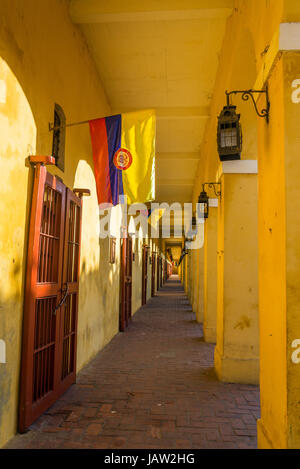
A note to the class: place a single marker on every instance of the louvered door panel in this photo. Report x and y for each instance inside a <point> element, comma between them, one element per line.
<point>69,310</point>
<point>51,296</point>
<point>40,346</point>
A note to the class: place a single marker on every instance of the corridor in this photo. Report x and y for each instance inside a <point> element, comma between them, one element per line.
<point>152,386</point>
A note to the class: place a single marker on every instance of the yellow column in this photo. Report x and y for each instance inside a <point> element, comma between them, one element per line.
<point>186,274</point>
<point>237,348</point>
<point>279,248</point>
<point>189,275</point>
<point>195,269</point>
<point>200,288</point>
<point>196,275</point>
<point>210,274</point>
<point>190,281</point>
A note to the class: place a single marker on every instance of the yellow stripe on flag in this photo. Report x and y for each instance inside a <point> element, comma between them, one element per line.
<point>138,136</point>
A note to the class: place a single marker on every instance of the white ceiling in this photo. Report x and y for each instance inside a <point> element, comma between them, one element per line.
<point>160,54</point>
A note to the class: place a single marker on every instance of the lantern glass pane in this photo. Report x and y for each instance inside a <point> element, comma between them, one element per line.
<point>203,208</point>
<point>229,138</point>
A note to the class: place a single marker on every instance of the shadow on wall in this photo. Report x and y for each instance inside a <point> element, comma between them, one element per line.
<point>17,141</point>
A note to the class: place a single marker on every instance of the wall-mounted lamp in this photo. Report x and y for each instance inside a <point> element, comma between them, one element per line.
<point>203,205</point>
<point>229,134</point>
<point>203,200</point>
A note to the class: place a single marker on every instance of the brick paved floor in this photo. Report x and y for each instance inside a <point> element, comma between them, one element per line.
<point>151,387</point>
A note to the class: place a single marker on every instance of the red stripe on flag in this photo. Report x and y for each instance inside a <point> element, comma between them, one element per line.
<point>101,160</point>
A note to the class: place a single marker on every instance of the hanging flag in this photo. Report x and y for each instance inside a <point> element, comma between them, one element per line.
<point>124,157</point>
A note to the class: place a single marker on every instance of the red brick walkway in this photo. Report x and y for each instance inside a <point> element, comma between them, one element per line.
<point>151,387</point>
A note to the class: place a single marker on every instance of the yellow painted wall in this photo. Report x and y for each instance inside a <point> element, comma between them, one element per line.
<point>200,289</point>
<point>272,276</point>
<point>291,70</point>
<point>210,277</point>
<point>237,349</point>
<point>17,139</point>
<point>279,239</point>
<point>52,64</point>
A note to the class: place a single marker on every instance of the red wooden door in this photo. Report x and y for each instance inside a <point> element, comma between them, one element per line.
<point>145,274</point>
<point>42,380</point>
<point>165,270</point>
<point>126,282</point>
<point>158,272</point>
<point>153,274</point>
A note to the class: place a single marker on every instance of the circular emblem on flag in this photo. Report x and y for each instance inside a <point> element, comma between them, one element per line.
<point>122,159</point>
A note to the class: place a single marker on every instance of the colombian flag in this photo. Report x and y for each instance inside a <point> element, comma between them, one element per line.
<point>124,157</point>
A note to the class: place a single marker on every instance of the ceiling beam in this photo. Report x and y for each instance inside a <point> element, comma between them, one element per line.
<point>200,112</point>
<point>93,11</point>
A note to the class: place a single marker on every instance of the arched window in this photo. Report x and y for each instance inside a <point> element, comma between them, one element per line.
<point>58,144</point>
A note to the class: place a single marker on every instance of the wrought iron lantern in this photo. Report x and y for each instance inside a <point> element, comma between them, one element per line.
<point>229,136</point>
<point>203,200</point>
<point>203,204</point>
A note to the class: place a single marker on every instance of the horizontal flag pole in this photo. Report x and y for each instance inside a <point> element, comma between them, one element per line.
<point>52,127</point>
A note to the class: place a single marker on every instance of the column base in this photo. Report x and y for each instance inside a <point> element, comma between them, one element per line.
<point>236,370</point>
<point>264,441</point>
<point>210,334</point>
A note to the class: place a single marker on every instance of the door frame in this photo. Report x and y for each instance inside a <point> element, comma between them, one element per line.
<point>43,325</point>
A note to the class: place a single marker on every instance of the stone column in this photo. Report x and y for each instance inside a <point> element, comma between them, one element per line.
<point>186,274</point>
<point>210,274</point>
<point>195,271</point>
<point>200,288</point>
<point>279,249</point>
<point>237,347</point>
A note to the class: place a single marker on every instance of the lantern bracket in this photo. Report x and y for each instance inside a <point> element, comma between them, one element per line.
<point>212,185</point>
<point>246,94</point>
